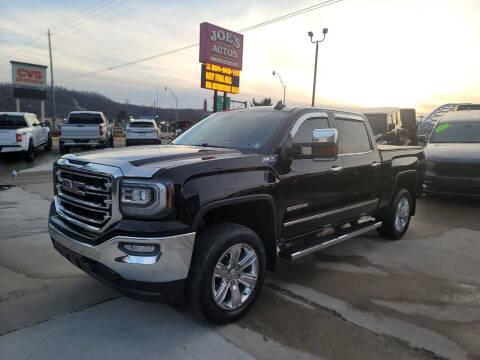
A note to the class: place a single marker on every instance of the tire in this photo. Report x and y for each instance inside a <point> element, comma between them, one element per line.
<point>63,149</point>
<point>30,153</point>
<point>127,143</point>
<point>110,142</point>
<point>214,250</point>
<point>396,220</point>
<point>48,147</point>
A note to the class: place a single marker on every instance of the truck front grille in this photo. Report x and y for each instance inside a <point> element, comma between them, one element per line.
<point>84,198</point>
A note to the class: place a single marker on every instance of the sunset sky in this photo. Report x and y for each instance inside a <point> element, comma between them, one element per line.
<point>405,53</point>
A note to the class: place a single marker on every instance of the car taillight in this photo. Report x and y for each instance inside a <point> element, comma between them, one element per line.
<point>19,137</point>
<point>59,130</point>
<point>100,128</point>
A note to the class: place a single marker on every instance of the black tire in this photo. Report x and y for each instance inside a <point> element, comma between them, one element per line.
<point>210,248</point>
<point>127,143</point>
<point>63,149</point>
<point>48,147</point>
<point>389,229</point>
<point>110,142</point>
<point>30,153</point>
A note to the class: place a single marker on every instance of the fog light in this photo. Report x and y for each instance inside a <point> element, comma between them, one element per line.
<point>139,249</point>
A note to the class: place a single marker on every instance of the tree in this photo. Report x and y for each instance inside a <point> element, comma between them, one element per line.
<point>264,102</point>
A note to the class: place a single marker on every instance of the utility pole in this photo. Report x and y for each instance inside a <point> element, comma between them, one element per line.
<point>215,101</point>
<point>325,31</point>
<point>51,78</point>
<point>156,110</point>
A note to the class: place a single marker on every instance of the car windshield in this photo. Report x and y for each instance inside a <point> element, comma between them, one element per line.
<point>12,121</point>
<point>141,124</point>
<point>456,132</point>
<point>85,119</point>
<point>244,130</point>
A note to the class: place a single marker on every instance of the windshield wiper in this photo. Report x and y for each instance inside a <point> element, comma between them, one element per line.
<point>208,145</point>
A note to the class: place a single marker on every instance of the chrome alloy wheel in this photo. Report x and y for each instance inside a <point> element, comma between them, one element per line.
<point>235,276</point>
<point>402,214</point>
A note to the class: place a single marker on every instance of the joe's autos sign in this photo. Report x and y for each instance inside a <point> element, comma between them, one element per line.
<point>220,46</point>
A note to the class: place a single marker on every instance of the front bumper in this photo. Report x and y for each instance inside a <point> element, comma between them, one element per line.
<point>452,186</point>
<point>136,276</point>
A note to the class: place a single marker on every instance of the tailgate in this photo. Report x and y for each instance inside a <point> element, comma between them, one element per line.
<point>80,131</point>
<point>141,133</point>
<point>8,137</point>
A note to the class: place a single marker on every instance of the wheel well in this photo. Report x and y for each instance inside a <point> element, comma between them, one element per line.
<point>257,215</point>
<point>408,181</point>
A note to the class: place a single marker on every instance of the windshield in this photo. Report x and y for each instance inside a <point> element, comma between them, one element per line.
<point>141,124</point>
<point>85,119</point>
<point>246,130</point>
<point>12,121</point>
<point>456,132</point>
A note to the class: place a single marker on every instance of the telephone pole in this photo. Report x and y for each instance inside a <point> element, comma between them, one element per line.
<point>51,78</point>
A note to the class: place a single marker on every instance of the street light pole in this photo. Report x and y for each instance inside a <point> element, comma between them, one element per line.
<point>325,31</point>
<point>281,82</point>
<point>176,102</point>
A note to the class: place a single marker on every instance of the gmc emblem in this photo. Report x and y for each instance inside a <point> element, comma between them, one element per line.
<point>73,187</point>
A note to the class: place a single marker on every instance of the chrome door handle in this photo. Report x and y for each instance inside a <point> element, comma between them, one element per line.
<point>376,164</point>
<point>336,169</point>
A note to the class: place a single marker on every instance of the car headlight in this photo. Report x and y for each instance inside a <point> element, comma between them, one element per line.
<point>142,198</point>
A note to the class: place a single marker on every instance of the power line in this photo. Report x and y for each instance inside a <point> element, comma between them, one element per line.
<point>253,27</point>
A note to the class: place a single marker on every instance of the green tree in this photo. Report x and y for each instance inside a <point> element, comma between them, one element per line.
<point>264,102</point>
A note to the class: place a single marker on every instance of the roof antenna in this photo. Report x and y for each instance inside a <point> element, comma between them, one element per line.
<point>279,105</point>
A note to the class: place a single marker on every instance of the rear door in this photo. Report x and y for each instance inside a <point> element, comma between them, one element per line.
<point>362,166</point>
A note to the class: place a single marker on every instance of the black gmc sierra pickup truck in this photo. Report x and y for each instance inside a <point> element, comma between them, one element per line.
<point>203,218</point>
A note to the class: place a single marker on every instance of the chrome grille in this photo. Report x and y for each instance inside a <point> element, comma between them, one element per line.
<point>84,198</point>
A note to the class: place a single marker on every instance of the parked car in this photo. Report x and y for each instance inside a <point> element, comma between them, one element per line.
<point>23,132</point>
<point>201,219</point>
<point>142,132</point>
<point>87,129</point>
<point>453,155</point>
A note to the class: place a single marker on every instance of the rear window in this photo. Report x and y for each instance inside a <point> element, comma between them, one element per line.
<point>85,119</point>
<point>142,124</point>
<point>352,136</point>
<point>12,121</point>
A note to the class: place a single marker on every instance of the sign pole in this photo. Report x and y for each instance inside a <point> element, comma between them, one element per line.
<point>17,101</point>
<point>51,77</point>
<point>42,109</point>
<point>224,101</point>
<point>214,101</point>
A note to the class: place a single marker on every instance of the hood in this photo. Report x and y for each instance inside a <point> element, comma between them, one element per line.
<point>453,152</point>
<point>145,161</point>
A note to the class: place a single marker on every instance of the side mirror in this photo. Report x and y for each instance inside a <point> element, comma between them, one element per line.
<point>324,145</point>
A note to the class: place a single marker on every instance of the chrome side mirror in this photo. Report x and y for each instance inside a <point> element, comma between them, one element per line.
<point>324,144</point>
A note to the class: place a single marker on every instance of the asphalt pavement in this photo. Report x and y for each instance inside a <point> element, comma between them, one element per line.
<point>417,298</point>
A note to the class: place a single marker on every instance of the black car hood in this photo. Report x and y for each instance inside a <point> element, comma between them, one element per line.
<point>453,152</point>
<point>145,161</point>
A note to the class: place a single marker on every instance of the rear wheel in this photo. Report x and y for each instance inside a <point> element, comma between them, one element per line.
<point>227,272</point>
<point>110,142</point>
<point>396,219</point>
<point>48,147</point>
<point>30,153</point>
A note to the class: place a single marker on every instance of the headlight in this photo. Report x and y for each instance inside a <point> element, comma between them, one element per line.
<point>142,198</point>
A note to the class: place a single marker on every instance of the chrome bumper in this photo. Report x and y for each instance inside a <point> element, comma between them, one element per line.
<point>170,264</point>
<point>86,142</point>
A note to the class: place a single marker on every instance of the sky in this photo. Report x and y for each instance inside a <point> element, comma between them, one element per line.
<point>377,53</point>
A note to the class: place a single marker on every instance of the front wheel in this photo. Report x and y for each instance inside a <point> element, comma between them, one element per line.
<point>227,272</point>
<point>30,153</point>
<point>396,220</point>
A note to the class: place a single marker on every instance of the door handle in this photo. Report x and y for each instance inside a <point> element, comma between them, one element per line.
<point>376,164</point>
<point>336,169</point>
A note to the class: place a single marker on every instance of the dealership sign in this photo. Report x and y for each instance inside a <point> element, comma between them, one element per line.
<point>220,46</point>
<point>220,78</point>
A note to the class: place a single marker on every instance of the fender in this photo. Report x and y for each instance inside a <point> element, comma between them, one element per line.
<point>237,200</point>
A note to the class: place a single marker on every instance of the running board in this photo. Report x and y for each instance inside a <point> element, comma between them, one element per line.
<point>297,252</point>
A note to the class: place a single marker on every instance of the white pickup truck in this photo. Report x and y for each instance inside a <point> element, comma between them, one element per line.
<point>23,132</point>
<point>85,129</point>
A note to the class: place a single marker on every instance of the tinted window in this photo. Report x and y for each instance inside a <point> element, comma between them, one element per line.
<point>305,131</point>
<point>352,136</point>
<point>456,132</point>
<point>141,124</point>
<point>12,121</point>
<point>240,129</point>
<point>85,119</point>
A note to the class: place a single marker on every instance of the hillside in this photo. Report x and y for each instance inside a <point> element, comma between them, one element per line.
<point>68,100</point>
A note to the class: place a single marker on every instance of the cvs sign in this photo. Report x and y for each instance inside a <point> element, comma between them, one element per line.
<point>24,74</point>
